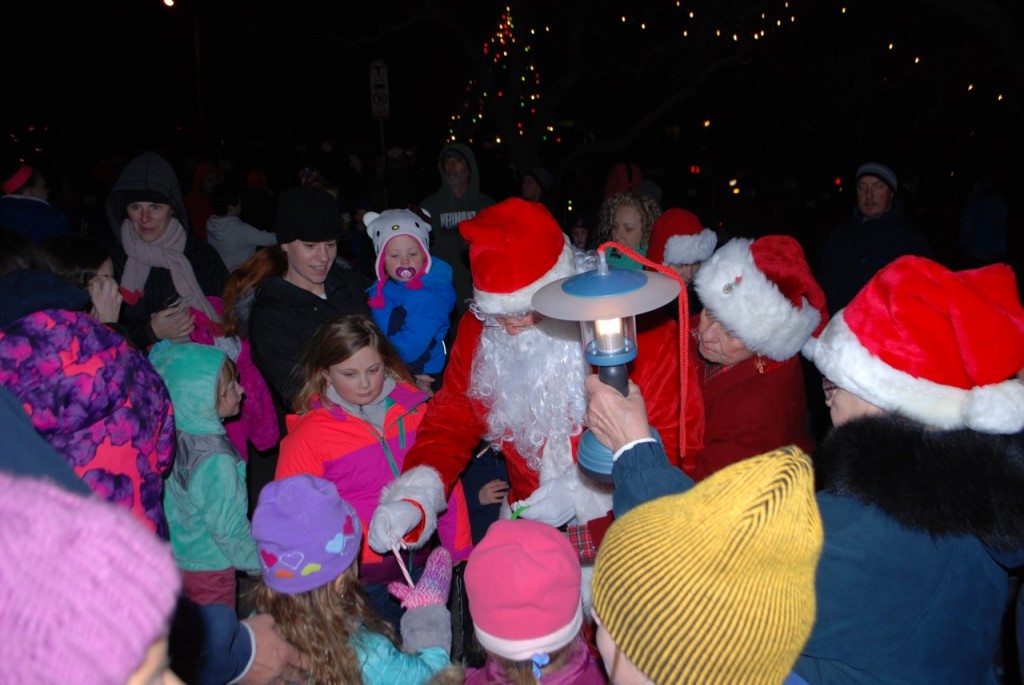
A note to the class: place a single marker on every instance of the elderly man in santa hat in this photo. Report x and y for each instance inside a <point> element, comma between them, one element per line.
<point>515,380</point>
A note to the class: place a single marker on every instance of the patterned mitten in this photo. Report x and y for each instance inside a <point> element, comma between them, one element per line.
<point>433,586</point>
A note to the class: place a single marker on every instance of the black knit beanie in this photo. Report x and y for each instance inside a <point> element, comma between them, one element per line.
<point>133,195</point>
<point>309,214</point>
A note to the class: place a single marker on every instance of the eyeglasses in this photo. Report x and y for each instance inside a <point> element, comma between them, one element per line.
<point>829,388</point>
<point>505,321</point>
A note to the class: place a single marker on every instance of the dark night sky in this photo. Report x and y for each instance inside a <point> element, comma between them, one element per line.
<point>122,75</point>
<point>127,70</point>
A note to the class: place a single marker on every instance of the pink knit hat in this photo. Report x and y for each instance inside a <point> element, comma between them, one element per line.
<point>535,607</point>
<point>85,589</point>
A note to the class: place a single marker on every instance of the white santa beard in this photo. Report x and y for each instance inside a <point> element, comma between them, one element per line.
<point>532,385</point>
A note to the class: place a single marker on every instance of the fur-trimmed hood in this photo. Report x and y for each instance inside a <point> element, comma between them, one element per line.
<point>956,482</point>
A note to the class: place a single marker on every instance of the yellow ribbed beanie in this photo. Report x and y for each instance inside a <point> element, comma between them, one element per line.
<point>716,585</point>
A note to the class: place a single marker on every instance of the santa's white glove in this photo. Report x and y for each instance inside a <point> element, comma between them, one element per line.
<point>551,503</point>
<point>391,522</point>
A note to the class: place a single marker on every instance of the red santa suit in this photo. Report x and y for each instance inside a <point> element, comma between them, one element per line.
<point>516,248</point>
<point>455,423</point>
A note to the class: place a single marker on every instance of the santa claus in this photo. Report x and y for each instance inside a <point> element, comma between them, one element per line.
<point>515,381</point>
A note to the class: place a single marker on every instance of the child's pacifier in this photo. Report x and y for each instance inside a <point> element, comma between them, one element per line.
<point>405,273</point>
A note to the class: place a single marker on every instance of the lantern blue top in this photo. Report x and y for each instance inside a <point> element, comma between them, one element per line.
<point>614,293</point>
<point>611,284</point>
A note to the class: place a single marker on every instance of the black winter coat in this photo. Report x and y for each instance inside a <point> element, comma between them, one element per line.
<point>285,317</point>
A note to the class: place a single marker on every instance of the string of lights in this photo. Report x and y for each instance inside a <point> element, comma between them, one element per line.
<point>510,48</point>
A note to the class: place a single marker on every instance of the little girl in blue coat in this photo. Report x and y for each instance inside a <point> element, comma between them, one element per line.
<point>413,295</point>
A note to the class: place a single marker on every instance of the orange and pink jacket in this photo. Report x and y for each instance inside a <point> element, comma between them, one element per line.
<point>331,443</point>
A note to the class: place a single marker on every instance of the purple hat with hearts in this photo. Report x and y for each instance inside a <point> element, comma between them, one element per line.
<point>306,533</point>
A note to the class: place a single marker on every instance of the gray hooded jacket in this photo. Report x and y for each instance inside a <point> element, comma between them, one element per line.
<point>446,213</point>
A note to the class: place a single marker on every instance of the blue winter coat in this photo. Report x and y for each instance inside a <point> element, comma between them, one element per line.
<point>919,526</point>
<point>416,321</point>
<point>33,218</point>
<point>383,664</point>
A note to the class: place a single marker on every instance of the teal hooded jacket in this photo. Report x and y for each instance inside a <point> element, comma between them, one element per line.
<point>205,498</point>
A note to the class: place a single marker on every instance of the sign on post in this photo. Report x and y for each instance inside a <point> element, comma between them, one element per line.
<point>380,104</point>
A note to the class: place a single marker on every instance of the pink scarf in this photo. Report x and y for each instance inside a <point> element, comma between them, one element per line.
<point>168,251</point>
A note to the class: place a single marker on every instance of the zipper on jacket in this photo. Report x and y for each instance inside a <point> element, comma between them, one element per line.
<point>380,435</point>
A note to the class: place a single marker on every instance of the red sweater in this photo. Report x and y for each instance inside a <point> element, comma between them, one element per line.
<point>750,408</point>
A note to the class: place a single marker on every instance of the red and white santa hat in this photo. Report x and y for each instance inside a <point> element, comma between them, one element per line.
<point>535,608</point>
<point>679,238</point>
<point>936,346</point>
<point>389,224</point>
<point>515,248</point>
<point>763,292</point>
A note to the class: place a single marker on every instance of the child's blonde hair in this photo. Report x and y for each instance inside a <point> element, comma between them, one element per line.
<point>335,342</point>
<point>228,374</point>
<point>521,672</point>
<point>320,623</point>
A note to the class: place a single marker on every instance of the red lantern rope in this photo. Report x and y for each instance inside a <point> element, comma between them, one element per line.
<point>683,306</point>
